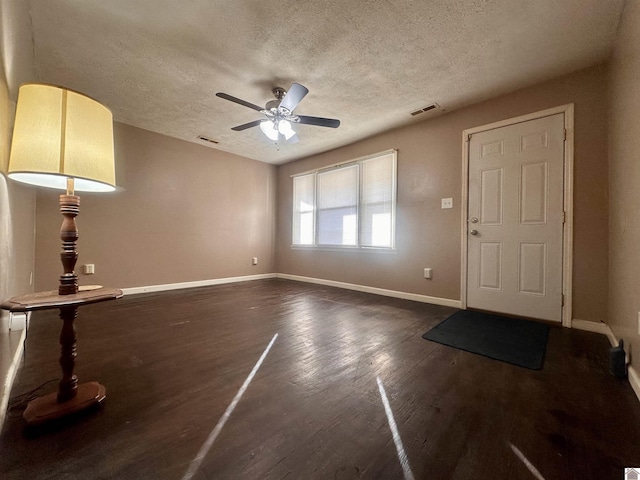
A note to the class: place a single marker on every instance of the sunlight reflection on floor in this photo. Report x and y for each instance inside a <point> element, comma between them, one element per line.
<point>527,463</point>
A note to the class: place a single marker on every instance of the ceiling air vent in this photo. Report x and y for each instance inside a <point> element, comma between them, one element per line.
<point>202,137</point>
<point>433,106</point>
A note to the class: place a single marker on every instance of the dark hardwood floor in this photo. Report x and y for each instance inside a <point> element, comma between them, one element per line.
<point>172,362</point>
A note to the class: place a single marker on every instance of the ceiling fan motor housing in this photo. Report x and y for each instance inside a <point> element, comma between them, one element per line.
<point>272,104</point>
<point>279,93</point>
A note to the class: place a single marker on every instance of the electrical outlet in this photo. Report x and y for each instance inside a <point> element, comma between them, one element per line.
<point>254,261</point>
<point>427,273</point>
<point>447,203</point>
<point>89,269</point>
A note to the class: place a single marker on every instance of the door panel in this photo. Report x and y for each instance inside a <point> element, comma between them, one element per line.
<point>533,198</point>
<point>491,197</point>
<point>514,249</point>
<point>532,268</point>
<point>490,266</point>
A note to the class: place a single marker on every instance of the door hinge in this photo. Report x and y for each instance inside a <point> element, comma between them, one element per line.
<point>564,217</point>
<point>469,137</point>
<point>562,300</point>
<point>565,134</point>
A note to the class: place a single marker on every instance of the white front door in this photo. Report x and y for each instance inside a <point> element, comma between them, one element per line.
<point>515,217</point>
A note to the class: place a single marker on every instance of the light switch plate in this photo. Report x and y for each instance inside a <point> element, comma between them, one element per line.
<point>447,203</point>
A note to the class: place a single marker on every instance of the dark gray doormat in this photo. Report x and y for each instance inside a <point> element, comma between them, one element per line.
<point>512,340</point>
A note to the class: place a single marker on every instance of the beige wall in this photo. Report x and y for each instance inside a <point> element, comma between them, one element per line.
<point>624,182</point>
<point>429,168</point>
<point>17,203</point>
<point>186,212</point>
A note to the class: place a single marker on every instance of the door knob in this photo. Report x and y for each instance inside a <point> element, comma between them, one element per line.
<point>473,232</point>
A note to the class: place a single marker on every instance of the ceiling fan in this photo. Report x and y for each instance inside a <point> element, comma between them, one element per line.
<point>279,114</point>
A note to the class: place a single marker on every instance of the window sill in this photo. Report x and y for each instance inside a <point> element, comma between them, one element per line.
<point>328,248</point>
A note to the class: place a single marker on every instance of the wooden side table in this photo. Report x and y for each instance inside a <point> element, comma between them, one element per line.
<point>70,397</point>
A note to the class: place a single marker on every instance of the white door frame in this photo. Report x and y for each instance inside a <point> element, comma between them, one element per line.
<point>567,230</point>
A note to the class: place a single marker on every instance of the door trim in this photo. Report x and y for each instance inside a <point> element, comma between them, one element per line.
<point>567,230</point>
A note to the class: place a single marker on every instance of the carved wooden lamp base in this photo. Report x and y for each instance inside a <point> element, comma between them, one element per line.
<point>70,397</point>
<point>69,208</point>
<point>47,408</point>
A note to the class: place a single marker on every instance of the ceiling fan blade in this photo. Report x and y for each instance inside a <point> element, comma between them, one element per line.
<point>293,97</point>
<point>319,121</point>
<point>238,101</point>
<point>244,126</point>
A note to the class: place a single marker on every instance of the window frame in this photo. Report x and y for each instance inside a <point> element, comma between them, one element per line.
<point>359,187</point>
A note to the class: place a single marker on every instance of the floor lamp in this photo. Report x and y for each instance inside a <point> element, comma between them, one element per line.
<point>64,140</point>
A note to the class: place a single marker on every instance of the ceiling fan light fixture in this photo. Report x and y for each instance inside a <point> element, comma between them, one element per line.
<point>285,128</point>
<point>269,129</point>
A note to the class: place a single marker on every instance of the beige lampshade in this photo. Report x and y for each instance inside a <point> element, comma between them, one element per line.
<point>61,134</point>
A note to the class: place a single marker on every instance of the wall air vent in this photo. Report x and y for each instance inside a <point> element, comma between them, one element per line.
<point>433,106</point>
<point>203,138</point>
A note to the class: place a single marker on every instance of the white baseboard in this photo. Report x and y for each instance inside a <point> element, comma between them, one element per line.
<point>11,376</point>
<point>195,284</point>
<point>331,283</point>
<point>377,291</point>
<point>599,327</point>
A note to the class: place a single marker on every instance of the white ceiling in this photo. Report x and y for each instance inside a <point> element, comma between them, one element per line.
<point>158,63</point>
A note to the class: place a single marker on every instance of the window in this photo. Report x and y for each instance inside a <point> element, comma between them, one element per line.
<point>351,205</point>
<point>337,206</point>
<point>303,206</point>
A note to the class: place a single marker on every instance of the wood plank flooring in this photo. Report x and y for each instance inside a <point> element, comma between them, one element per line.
<point>172,362</point>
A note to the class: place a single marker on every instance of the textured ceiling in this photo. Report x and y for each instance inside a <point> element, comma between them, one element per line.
<point>158,63</point>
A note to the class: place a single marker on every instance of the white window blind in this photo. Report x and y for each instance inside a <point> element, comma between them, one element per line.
<point>377,202</point>
<point>338,206</point>
<point>350,205</point>
<point>303,210</point>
